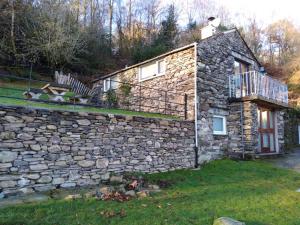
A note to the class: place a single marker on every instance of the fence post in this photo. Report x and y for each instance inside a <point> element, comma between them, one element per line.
<point>185,106</point>
<point>140,93</point>
<point>165,102</point>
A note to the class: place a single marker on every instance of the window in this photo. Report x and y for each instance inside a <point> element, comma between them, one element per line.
<point>111,83</point>
<point>161,67</point>
<point>219,125</point>
<point>240,67</point>
<point>151,70</point>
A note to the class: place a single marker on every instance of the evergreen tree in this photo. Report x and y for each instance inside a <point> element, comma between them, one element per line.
<point>169,30</point>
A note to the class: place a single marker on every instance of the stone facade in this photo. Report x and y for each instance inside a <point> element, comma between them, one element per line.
<point>171,87</point>
<point>215,62</point>
<point>42,150</point>
<point>291,130</point>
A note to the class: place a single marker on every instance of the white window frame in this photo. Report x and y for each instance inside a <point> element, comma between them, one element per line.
<point>154,75</point>
<point>109,80</point>
<point>104,84</point>
<point>163,73</point>
<point>224,131</point>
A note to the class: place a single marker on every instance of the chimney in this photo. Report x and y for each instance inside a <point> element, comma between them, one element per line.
<point>211,28</point>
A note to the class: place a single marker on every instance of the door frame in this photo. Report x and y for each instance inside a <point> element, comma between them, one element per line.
<point>270,131</point>
<point>299,133</point>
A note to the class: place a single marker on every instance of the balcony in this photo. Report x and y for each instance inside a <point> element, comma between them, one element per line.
<point>256,86</point>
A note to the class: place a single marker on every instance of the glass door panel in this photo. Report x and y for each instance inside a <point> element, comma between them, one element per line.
<point>266,130</point>
<point>265,139</point>
<point>271,119</point>
<point>272,147</point>
<point>264,119</point>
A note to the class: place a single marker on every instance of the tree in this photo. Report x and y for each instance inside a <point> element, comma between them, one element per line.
<point>283,41</point>
<point>168,33</point>
<point>253,34</point>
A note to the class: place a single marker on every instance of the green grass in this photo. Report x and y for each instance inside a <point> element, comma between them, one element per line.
<point>22,102</point>
<point>253,192</point>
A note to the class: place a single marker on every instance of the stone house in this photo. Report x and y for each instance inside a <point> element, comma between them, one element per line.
<point>220,85</point>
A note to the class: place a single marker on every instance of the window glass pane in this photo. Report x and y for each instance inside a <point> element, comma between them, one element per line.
<point>258,117</point>
<point>236,67</point>
<point>148,70</point>
<point>264,119</point>
<point>244,67</point>
<point>161,66</point>
<point>271,119</point>
<point>218,124</point>
<point>240,67</point>
<point>106,84</point>
<point>272,148</point>
<point>114,82</point>
<point>265,140</point>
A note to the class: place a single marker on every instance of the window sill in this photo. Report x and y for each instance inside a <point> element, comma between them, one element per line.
<point>150,78</point>
<point>220,134</point>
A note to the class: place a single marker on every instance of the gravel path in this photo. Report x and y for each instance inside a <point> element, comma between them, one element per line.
<point>290,161</point>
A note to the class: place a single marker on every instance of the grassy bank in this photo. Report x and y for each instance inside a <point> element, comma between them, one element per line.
<point>12,93</point>
<point>254,192</point>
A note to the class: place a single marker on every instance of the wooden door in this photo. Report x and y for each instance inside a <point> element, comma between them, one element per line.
<point>266,130</point>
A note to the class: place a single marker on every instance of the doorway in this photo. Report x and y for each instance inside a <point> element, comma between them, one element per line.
<point>266,129</point>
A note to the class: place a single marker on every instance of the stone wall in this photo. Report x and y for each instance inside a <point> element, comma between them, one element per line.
<point>42,150</point>
<point>215,60</point>
<point>177,81</point>
<point>248,112</point>
<point>291,133</point>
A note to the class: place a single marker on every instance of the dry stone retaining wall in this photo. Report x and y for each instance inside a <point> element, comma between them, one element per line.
<point>42,150</point>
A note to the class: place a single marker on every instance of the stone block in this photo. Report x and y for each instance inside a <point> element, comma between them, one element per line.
<point>8,156</point>
<point>68,185</point>
<point>58,180</point>
<point>102,163</point>
<point>33,176</point>
<point>25,136</point>
<point>86,163</point>
<point>37,167</point>
<point>45,179</point>
<point>84,122</point>
<point>7,135</point>
<point>8,184</point>
<point>51,127</point>
<point>116,179</point>
<point>5,165</point>
<point>35,147</point>
<point>227,221</point>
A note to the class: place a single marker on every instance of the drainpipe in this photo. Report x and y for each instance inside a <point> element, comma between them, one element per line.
<point>242,130</point>
<point>196,106</point>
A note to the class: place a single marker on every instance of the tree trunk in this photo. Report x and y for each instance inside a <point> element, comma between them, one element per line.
<point>111,6</point>
<point>12,30</point>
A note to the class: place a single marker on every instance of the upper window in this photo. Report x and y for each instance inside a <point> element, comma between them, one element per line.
<point>240,67</point>
<point>111,83</point>
<point>151,70</point>
<point>161,67</point>
<point>219,125</point>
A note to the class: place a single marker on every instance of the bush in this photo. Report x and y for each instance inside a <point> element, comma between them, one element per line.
<point>111,98</point>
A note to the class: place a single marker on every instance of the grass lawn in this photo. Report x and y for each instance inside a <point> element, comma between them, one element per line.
<point>5,91</point>
<point>253,192</point>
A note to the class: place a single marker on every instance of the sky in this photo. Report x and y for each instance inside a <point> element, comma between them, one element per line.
<point>265,11</point>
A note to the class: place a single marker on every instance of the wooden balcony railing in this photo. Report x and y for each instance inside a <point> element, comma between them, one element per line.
<point>256,84</point>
